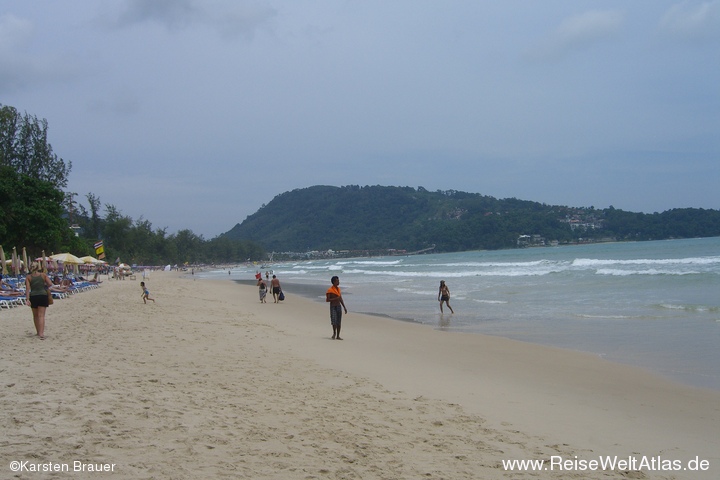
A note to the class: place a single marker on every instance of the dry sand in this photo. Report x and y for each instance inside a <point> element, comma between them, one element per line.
<point>209,383</point>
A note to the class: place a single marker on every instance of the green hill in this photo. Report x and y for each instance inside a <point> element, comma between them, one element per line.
<point>378,218</point>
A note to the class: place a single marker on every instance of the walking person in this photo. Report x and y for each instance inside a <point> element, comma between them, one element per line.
<point>444,296</point>
<point>37,296</point>
<point>337,305</point>
<point>275,284</point>
<point>262,289</point>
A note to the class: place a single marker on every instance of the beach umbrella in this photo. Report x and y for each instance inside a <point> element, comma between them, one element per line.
<point>67,258</point>
<point>43,262</point>
<point>2,258</point>
<point>90,260</point>
<point>25,264</point>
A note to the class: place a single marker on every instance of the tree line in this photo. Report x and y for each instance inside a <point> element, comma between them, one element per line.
<point>37,211</point>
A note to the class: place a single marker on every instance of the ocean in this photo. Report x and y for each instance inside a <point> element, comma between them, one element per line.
<point>650,304</point>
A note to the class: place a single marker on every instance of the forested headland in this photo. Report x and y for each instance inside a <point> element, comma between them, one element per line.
<point>378,218</point>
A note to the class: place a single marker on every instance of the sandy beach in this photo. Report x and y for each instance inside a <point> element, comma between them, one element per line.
<point>209,383</point>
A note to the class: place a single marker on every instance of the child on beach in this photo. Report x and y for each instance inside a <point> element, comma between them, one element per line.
<point>145,293</point>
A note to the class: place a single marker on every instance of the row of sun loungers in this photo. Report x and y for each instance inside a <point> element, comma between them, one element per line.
<point>7,301</point>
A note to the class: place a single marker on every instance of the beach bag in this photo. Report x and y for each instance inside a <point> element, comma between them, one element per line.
<point>50,299</point>
<point>281,297</point>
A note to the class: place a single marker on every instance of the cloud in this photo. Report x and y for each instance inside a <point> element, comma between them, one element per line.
<point>579,32</point>
<point>20,67</point>
<point>15,35</point>
<point>14,32</point>
<point>121,102</point>
<point>170,13</point>
<point>229,19</point>
<point>692,21</point>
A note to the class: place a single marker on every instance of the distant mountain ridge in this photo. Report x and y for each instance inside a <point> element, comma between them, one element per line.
<point>405,218</point>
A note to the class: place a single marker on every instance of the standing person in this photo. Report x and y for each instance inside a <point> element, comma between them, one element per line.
<point>145,293</point>
<point>37,291</point>
<point>262,289</point>
<point>334,296</point>
<point>275,283</point>
<point>444,296</point>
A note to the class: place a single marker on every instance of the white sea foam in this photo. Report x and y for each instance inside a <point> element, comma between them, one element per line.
<point>592,262</point>
<point>609,317</point>
<point>498,264</point>
<point>650,271</point>
<point>413,291</point>
<point>370,262</point>
<point>690,308</point>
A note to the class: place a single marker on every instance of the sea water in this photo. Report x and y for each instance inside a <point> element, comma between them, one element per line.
<point>651,304</point>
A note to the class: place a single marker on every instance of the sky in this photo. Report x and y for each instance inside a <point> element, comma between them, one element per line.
<point>193,114</point>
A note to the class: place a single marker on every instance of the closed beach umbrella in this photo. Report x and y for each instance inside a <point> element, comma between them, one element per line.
<point>2,259</point>
<point>43,262</point>
<point>25,264</point>
<point>15,264</point>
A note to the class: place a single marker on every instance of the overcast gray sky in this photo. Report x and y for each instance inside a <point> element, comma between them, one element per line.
<point>193,114</point>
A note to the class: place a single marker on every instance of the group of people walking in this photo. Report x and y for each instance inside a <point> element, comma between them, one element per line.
<point>333,295</point>
<point>277,294</point>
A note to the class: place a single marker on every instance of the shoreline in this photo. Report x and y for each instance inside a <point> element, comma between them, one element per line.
<point>209,382</point>
<point>314,292</point>
<point>308,291</point>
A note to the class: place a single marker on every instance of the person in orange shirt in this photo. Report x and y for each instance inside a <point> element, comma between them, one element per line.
<point>337,305</point>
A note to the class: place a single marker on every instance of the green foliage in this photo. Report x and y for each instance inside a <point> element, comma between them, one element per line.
<point>24,147</point>
<point>675,223</point>
<point>404,218</point>
<point>31,213</point>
